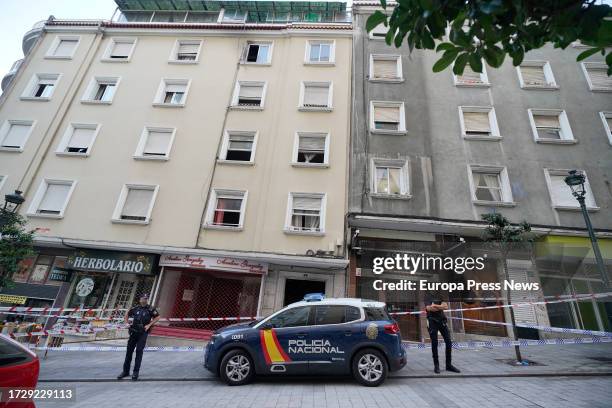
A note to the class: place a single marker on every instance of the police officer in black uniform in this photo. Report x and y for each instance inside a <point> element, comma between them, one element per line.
<point>144,316</point>
<point>436,322</point>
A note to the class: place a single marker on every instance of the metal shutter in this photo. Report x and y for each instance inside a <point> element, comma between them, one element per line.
<point>476,121</point>
<point>54,198</point>
<point>386,114</point>
<point>533,76</point>
<point>307,203</point>
<point>81,138</point>
<point>599,77</point>
<point>65,48</point>
<point>316,95</point>
<point>16,136</point>
<point>523,314</point>
<point>122,49</point>
<point>250,91</point>
<point>385,69</point>
<point>157,143</point>
<point>137,202</point>
<point>312,143</point>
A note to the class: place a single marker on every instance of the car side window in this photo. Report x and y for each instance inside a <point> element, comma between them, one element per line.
<point>352,313</point>
<point>297,316</point>
<point>376,314</point>
<point>329,314</point>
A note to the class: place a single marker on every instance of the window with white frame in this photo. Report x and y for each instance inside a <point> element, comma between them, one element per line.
<point>561,194</point>
<point>155,143</point>
<point>63,47</point>
<point>306,213</point>
<point>258,53</point>
<point>379,32</point>
<point>249,94</point>
<point>186,51</point>
<point>78,139</point>
<point>606,118</point>
<point>51,198</point>
<point>319,52</point>
<point>120,49</point>
<point>172,93</point>
<point>135,204</point>
<point>490,185</point>
<point>385,68</point>
<point>311,149</point>
<point>478,123</point>
<point>550,126</point>
<point>390,177</point>
<point>238,146</point>
<point>471,77</point>
<point>316,96</point>
<point>41,87</point>
<point>14,134</point>
<point>101,90</point>
<point>226,209</point>
<point>387,117</point>
<point>597,76</point>
<point>536,75</point>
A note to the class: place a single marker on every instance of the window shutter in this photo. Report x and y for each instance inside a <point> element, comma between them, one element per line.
<point>386,69</point>
<point>386,114</point>
<point>137,202</point>
<point>546,121</point>
<point>307,203</point>
<point>533,75</point>
<point>157,143</point>
<point>46,81</point>
<point>16,135</point>
<point>525,313</point>
<point>469,76</point>
<point>599,77</point>
<point>65,48</point>
<point>122,49</point>
<point>477,121</point>
<point>312,143</point>
<point>81,137</point>
<point>54,198</point>
<point>560,192</point>
<point>240,142</point>
<point>188,48</point>
<point>175,87</point>
<point>316,95</point>
<point>251,91</point>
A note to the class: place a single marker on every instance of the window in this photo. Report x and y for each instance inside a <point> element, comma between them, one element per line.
<point>135,204</point>
<point>390,178</point>
<point>155,143</point>
<point>226,209</point>
<point>376,314</point>
<point>335,314</point>
<point>294,317</point>
<point>249,95</point>
<point>186,52</point>
<point>561,194</point>
<point>606,118</point>
<point>550,126</point>
<point>14,134</point>
<point>52,198</point>
<point>234,16</point>
<point>379,32</point>
<point>78,139</point>
<point>316,96</point>
<point>478,123</point>
<point>101,90</point>
<point>597,76</point>
<point>172,93</point>
<point>320,52</point>
<point>306,213</point>
<point>387,117</point>
<point>41,87</point>
<point>120,49</point>
<point>238,147</point>
<point>471,77</point>
<point>386,68</point>
<point>311,149</point>
<point>536,75</point>
<point>258,53</point>
<point>63,47</point>
<point>490,185</point>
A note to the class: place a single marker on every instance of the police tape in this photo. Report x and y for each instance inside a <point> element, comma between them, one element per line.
<point>28,309</point>
<point>408,346</point>
<point>546,329</point>
<point>73,331</point>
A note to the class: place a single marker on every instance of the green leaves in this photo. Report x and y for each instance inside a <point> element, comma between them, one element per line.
<point>447,58</point>
<point>375,19</point>
<point>15,245</point>
<point>586,54</point>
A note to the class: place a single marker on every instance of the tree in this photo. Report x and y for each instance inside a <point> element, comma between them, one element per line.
<point>492,29</point>
<point>15,245</point>
<point>504,237</point>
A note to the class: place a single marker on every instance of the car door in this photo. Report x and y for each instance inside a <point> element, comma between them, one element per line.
<point>283,340</point>
<point>334,335</point>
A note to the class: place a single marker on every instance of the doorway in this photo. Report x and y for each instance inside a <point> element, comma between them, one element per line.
<point>295,289</point>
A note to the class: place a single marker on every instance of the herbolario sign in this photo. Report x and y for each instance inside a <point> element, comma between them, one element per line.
<point>110,261</point>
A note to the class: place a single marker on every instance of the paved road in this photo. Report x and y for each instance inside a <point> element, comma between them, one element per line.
<point>555,392</point>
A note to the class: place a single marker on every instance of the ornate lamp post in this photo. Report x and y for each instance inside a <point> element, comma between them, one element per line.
<point>575,181</point>
<point>12,202</point>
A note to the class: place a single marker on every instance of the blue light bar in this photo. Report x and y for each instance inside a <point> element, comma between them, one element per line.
<point>314,297</point>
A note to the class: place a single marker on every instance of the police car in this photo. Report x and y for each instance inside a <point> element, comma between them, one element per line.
<point>310,337</point>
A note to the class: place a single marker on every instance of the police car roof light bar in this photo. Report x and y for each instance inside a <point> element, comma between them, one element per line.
<point>314,297</point>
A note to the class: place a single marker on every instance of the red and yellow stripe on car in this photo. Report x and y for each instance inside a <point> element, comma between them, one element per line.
<point>272,350</point>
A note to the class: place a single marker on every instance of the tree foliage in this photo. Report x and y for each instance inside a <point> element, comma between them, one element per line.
<point>15,245</point>
<point>494,29</point>
<point>500,230</point>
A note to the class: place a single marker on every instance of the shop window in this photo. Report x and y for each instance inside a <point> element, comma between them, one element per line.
<point>23,269</point>
<point>41,269</point>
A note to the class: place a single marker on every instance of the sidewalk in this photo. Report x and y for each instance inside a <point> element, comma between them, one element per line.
<point>578,359</point>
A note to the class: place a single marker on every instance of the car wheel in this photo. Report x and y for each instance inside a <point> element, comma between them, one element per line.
<point>237,368</point>
<point>370,367</point>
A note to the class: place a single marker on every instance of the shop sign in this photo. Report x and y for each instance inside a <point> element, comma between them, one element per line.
<point>17,300</point>
<point>214,263</point>
<point>108,261</point>
<point>84,287</point>
<point>60,275</point>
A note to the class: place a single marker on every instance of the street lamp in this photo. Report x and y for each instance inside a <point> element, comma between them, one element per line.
<point>12,202</point>
<point>575,181</point>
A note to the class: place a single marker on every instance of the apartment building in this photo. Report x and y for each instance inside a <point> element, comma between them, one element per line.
<point>197,153</point>
<point>432,152</point>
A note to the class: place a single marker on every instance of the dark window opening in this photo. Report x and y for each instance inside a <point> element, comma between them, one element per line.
<point>238,155</point>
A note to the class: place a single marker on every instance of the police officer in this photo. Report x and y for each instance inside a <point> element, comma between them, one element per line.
<point>436,322</point>
<point>144,316</point>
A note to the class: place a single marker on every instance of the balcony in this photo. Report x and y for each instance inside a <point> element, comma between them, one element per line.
<point>11,74</point>
<point>29,38</point>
